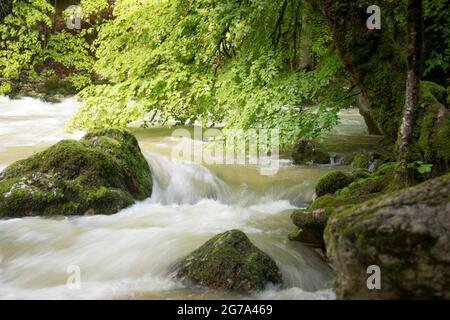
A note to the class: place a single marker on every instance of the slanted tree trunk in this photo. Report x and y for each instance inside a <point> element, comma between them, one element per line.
<point>412,79</point>
<point>364,107</point>
<point>363,53</point>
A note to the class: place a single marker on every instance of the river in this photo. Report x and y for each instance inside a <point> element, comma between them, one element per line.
<point>127,255</point>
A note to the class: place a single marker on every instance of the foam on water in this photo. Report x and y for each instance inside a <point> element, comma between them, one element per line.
<point>131,252</point>
<point>178,182</point>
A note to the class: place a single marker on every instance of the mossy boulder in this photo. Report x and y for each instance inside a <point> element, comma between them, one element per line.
<point>359,190</point>
<point>100,174</point>
<point>360,174</point>
<point>362,160</point>
<point>405,233</point>
<point>310,227</point>
<point>309,152</point>
<point>229,261</point>
<point>362,186</point>
<point>332,182</point>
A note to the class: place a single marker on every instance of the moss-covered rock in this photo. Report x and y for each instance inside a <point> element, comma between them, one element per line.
<point>100,174</point>
<point>362,186</point>
<point>360,174</point>
<point>332,182</point>
<point>380,181</point>
<point>308,152</point>
<point>229,261</point>
<point>369,160</point>
<point>365,186</point>
<point>405,233</point>
<point>310,227</point>
<point>362,160</point>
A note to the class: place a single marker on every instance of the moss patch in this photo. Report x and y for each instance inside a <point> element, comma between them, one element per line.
<point>362,160</point>
<point>365,186</point>
<point>432,132</point>
<point>332,182</point>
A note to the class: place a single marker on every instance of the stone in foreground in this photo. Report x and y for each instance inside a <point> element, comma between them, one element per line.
<point>100,174</point>
<point>406,234</point>
<point>229,261</point>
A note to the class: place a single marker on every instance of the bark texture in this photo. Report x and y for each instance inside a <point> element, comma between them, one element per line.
<point>413,76</point>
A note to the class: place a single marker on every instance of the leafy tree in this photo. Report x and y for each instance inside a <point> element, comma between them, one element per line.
<point>272,64</point>
<point>20,38</point>
<point>36,47</point>
<point>436,40</point>
<point>5,9</point>
<point>181,61</point>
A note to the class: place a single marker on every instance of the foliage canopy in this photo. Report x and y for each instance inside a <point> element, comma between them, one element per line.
<point>177,62</point>
<point>251,64</point>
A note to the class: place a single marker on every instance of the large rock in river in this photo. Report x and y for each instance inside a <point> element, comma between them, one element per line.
<point>406,234</point>
<point>229,261</point>
<point>100,174</point>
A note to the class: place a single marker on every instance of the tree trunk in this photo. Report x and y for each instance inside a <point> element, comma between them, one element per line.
<point>404,175</point>
<point>364,107</point>
<point>413,78</point>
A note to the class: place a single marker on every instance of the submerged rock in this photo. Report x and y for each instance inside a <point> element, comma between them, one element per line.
<point>406,234</point>
<point>229,261</point>
<point>100,174</point>
<point>306,152</point>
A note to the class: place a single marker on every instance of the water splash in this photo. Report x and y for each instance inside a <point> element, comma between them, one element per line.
<point>180,182</point>
<point>129,253</point>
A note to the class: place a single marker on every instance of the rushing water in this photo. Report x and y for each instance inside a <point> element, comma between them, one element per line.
<point>127,255</point>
